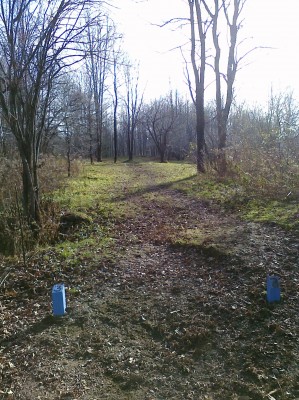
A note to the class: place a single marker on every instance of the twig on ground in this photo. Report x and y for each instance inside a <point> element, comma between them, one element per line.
<point>4,276</point>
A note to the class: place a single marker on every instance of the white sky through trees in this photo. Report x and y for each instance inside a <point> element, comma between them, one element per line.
<point>267,23</point>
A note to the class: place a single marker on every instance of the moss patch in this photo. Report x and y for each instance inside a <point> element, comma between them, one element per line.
<point>283,214</point>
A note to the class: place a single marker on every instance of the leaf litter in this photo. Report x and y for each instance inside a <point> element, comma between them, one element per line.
<point>177,311</point>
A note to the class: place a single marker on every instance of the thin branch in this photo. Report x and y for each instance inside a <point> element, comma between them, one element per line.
<point>171,21</point>
<point>188,79</point>
<point>251,51</point>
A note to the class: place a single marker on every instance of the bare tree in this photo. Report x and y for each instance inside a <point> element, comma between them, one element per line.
<point>101,38</point>
<point>116,62</point>
<point>38,40</point>
<point>160,118</point>
<point>88,113</point>
<point>115,106</point>
<point>231,12</point>
<point>133,102</point>
<point>212,18</point>
<point>73,119</point>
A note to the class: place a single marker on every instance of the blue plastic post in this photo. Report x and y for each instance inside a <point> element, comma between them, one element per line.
<point>273,288</point>
<point>58,299</point>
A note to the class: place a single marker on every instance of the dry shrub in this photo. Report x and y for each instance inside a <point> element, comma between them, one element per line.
<point>10,182</point>
<point>15,235</point>
<point>10,178</point>
<point>50,216</point>
<point>52,173</point>
<point>264,171</point>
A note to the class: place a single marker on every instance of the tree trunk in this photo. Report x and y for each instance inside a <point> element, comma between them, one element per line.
<point>89,129</point>
<point>115,133</point>
<point>115,106</point>
<point>130,146</point>
<point>223,106</point>
<point>162,156</point>
<point>30,195</point>
<point>199,76</point>
<point>68,156</point>
<point>200,138</point>
<point>98,138</point>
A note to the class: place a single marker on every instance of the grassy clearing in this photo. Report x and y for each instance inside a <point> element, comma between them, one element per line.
<point>96,189</point>
<point>103,188</point>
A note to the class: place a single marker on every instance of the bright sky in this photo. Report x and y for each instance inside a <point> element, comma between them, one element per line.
<point>267,23</point>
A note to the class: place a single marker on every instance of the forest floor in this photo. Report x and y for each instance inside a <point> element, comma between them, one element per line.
<point>166,300</point>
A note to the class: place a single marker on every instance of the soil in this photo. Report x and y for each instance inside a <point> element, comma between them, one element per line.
<point>177,311</point>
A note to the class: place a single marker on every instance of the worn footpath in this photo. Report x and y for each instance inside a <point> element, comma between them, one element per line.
<point>176,311</point>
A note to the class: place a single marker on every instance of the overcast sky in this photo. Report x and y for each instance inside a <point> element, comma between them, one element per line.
<point>267,23</point>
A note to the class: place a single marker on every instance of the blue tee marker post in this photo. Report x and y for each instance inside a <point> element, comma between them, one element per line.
<point>58,300</point>
<point>273,288</point>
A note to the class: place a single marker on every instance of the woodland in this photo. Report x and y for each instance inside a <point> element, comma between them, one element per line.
<point>162,217</point>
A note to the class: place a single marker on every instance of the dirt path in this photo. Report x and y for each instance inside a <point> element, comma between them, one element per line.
<point>179,314</point>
